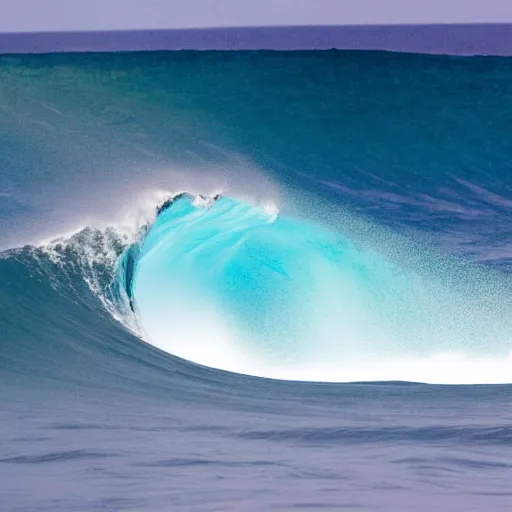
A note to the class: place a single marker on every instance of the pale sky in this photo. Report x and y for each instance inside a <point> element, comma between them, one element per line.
<point>69,15</point>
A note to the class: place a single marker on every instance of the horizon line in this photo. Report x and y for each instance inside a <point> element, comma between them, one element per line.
<point>431,38</point>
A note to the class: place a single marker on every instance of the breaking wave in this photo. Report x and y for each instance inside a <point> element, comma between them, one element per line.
<point>241,287</point>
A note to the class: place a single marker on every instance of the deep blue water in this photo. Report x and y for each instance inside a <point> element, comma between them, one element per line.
<point>255,281</point>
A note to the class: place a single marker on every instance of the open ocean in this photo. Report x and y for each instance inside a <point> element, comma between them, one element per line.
<point>255,280</point>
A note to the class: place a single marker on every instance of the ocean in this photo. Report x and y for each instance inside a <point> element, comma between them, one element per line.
<point>255,280</point>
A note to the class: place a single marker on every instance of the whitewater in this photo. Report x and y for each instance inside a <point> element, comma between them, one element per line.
<point>255,281</point>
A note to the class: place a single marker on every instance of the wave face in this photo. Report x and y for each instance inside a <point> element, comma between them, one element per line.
<point>233,286</point>
<point>255,261</point>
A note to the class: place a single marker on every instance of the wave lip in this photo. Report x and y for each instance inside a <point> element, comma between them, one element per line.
<point>237,287</point>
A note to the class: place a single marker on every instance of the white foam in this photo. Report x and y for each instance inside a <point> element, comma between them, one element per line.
<point>213,343</point>
<point>438,368</point>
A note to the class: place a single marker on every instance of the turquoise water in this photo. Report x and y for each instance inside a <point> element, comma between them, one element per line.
<point>245,289</point>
